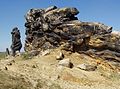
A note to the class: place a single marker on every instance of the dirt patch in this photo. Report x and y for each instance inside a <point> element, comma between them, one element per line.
<point>43,72</point>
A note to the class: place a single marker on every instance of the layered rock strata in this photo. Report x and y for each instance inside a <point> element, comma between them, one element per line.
<point>54,27</point>
<point>16,41</point>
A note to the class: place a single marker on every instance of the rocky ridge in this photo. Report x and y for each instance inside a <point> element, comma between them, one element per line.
<point>63,53</point>
<point>59,27</point>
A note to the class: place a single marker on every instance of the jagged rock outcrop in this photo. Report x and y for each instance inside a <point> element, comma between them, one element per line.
<point>54,27</point>
<point>16,41</point>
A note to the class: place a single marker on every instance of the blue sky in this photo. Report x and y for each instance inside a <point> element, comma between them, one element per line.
<point>12,14</point>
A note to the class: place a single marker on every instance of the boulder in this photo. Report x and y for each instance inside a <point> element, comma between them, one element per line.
<point>66,63</point>
<point>33,53</point>
<point>60,56</point>
<point>87,67</point>
<point>46,52</point>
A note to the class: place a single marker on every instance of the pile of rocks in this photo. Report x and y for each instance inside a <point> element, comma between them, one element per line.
<point>54,27</point>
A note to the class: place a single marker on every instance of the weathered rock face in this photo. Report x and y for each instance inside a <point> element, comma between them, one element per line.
<point>54,27</point>
<point>16,42</point>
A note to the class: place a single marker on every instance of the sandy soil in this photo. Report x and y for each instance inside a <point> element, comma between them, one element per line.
<point>43,72</point>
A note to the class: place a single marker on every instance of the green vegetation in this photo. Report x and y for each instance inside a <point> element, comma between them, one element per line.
<point>55,86</point>
<point>2,55</point>
<point>13,82</point>
<point>26,56</point>
<point>40,84</point>
<point>115,76</point>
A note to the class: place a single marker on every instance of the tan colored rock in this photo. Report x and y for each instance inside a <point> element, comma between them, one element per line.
<point>87,67</point>
<point>46,52</point>
<point>66,63</point>
<point>60,56</point>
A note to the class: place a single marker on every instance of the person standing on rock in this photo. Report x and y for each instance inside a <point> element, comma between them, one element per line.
<point>16,41</point>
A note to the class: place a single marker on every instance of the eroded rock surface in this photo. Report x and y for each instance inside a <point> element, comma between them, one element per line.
<point>16,41</point>
<point>54,27</point>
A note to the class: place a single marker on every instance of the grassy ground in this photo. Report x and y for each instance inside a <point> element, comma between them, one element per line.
<point>2,55</point>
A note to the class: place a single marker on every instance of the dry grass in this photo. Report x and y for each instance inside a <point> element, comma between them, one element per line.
<point>2,55</point>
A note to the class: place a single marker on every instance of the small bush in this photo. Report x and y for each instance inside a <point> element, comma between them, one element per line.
<point>2,55</point>
<point>27,56</point>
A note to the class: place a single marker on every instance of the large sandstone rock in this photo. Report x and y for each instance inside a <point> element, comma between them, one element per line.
<point>54,27</point>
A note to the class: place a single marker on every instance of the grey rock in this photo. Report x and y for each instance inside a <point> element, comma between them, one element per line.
<point>16,41</point>
<point>7,52</point>
<point>34,53</point>
<point>87,67</point>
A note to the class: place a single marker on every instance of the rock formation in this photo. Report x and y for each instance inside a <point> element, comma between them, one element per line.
<point>54,27</point>
<point>16,42</point>
<point>7,52</point>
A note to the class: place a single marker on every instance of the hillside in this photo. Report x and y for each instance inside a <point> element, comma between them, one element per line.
<point>44,72</point>
<point>61,52</point>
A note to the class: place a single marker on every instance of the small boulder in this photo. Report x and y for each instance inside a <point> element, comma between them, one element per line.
<point>34,53</point>
<point>46,52</point>
<point>87,67</point>
<point>66,63</point>
<point>18,53</point>
<point>6,68</point>
<point>60,56</point>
